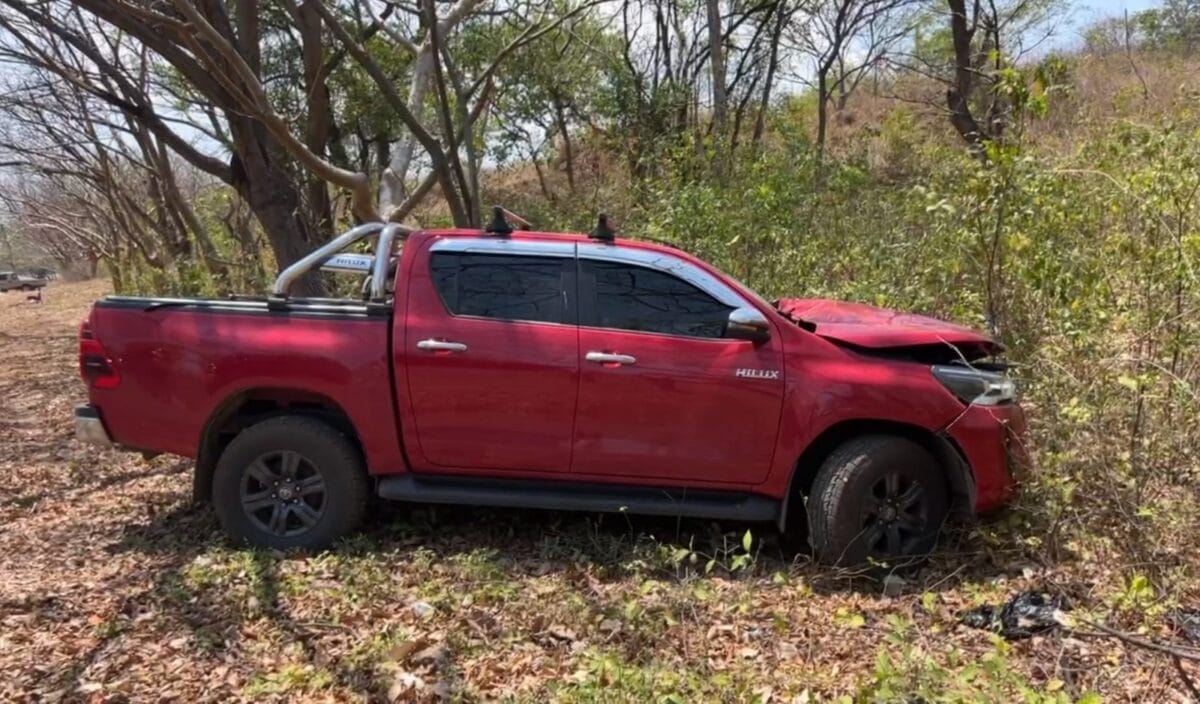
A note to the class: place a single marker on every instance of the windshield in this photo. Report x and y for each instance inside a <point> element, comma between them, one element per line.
<point>743,289</point>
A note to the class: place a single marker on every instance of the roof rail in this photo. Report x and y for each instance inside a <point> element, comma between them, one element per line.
<point>605,230</point>
<point>665,243</point>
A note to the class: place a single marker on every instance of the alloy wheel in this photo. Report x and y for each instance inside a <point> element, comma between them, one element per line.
<point>895,515</point>
<point>283,493</point>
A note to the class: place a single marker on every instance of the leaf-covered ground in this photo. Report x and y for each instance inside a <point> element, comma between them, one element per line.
<point>113,587</point>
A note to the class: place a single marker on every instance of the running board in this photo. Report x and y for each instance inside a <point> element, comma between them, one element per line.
<point>570,496</point>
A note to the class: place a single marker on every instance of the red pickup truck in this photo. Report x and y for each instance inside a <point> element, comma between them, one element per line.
<point>512,368</point>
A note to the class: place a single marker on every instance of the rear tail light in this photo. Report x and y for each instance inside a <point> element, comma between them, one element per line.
<point>95,366</point>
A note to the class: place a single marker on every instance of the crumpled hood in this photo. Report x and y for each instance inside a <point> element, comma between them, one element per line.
<point>867,326</point>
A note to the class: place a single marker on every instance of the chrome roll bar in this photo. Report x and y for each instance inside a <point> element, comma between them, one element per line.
<point>387,237</point>
<point>383,260</point>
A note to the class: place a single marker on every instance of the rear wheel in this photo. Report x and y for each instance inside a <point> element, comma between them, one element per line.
<point>877,497</point>
<point>290,482</point>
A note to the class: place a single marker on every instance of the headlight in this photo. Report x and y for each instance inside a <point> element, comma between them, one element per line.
<point>975,385</point>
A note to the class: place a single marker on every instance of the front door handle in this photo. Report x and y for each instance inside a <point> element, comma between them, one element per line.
<point>441,346</point>
<point>610,359</point>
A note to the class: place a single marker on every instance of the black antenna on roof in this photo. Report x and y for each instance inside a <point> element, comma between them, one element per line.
<point>603,232</point>
<point>499,225</point>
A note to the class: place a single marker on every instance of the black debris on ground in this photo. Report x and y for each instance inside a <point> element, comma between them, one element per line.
<point>1025,615</point>
<point>1186,622</point>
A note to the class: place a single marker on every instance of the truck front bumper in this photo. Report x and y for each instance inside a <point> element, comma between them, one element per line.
<point>89,428</point>
<point>993,440</point>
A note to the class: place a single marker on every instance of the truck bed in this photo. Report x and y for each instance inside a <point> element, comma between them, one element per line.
<point>185,360</point>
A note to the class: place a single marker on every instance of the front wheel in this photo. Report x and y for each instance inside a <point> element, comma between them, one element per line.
<point>877,497</point>
<point>290,482</point>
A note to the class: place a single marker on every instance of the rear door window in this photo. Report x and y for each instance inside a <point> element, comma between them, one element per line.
<point>502,286</point>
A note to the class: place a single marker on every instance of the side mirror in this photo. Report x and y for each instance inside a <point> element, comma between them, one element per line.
<point>748,324</point>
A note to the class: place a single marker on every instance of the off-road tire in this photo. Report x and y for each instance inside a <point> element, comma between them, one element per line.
<point>845,507</point>
<point>322,449</point>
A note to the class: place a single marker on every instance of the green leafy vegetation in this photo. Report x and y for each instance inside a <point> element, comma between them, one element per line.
<point>905,672</point>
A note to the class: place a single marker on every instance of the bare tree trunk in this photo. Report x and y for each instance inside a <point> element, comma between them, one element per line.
<point>260,178</point>
<point>115,273</point>
<point>392,187</point>
<point>238,224</point>
<point>188,221</point>
<point>560,119</point>
<point>958,96</point>
<point>843,95</point>
<point>319,124</point>
<point>822,111</point>
<point>541,177</point>
<point>717,57</point>
<point>248,34</point>
<point>772,66</point>
<point>473,157</point>
<point>719,97</point>
<point>470,202</point>
<point>6,235</point>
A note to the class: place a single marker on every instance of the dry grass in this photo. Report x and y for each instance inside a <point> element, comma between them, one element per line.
<point>114,588</point>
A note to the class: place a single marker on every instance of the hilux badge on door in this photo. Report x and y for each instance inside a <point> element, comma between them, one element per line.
<point>757,373</point>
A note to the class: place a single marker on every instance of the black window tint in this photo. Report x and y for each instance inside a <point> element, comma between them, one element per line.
<point>632,298</point>
<point>500,286</point>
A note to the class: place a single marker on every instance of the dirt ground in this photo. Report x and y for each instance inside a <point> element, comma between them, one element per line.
<point>113,587</point>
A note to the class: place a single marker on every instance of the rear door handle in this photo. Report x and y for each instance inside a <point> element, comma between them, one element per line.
<point>441,346</point>
<point>609,358</point>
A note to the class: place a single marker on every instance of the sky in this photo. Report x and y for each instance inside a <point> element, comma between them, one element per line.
<point>1069,35</point>
<point>1095,9</point>
<point>1116,7</point>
